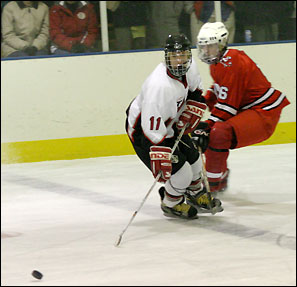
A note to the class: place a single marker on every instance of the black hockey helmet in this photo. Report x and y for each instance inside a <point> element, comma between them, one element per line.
<point>177,42</point>
<point>178,56</point>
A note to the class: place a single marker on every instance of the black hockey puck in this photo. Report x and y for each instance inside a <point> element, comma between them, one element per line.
<point>36,274</point>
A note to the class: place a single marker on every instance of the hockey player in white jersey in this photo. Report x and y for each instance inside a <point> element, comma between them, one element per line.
<point>170,98</point>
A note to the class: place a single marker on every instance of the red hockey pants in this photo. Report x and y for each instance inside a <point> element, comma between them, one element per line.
<point>246,128</point>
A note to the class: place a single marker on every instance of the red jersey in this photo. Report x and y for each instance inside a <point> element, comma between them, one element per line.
<point>239,85</point>
<point>67,28</point>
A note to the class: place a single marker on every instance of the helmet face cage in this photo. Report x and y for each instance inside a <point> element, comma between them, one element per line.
<point>178,55</point>
<point>178,62</point>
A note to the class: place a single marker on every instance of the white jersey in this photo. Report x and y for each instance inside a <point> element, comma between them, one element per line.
<point>161,102</point>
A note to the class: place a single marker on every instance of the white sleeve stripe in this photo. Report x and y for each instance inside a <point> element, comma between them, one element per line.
<point>260,100</point>
<point>214,175</point>
<point>214,119</point>
<point>275,104</point>
<point>226,108</point>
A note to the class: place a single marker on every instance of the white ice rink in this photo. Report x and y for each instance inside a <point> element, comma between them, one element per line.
<point>63,218</point>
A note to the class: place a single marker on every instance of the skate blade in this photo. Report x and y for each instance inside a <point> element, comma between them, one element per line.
<point>200,209</point>
<point>170,215</point>
<point>213,210</point>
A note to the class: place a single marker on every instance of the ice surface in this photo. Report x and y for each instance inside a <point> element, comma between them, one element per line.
<point>63,218</point>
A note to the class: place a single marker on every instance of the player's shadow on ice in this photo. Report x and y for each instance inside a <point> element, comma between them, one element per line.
<point>217,224</point>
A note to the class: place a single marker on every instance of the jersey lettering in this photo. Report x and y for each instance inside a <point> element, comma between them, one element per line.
<point>220,92</point>
<point>226,61</point>
<point>152,120</point>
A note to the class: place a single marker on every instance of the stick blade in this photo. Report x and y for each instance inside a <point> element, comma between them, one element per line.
<point>117,243</point>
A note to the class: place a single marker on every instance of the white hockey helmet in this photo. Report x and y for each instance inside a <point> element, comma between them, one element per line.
<point>212,41</point>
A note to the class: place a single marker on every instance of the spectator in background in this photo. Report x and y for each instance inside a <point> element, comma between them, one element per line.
<point>260,18</point>
<point>287,21</point>
<point>3,3</point>
<point>204,11</point>
<point>73,27</point>
<point>163,20</point>
<point>292,23</point>
<point>185,24</point>
<point>129,21</point>
<point>25,29</point>
<point>49,3</point>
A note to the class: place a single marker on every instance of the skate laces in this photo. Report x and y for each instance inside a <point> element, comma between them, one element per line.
<point>203,199</point>
<point>182,207</point>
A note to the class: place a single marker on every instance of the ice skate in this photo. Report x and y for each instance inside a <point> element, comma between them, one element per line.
<point>202,203</point>
<point>180,210</point>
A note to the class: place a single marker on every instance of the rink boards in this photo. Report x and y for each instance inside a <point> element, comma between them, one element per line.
<point>87,147</point>
<point>74,107</point>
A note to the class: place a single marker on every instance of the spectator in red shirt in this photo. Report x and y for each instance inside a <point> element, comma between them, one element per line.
<point>73,27</point>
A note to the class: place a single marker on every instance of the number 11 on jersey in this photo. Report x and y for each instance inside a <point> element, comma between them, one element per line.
<point>158,121</point>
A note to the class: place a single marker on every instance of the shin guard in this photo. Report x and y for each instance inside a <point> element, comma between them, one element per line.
<point>220,141</point>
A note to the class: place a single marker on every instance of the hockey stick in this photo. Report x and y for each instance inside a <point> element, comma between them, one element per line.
<point>117,243</point>
<point>210,201</point>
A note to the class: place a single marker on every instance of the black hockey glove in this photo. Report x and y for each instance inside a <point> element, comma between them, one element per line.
<point>78,48</point>
<point>200,136</point>
<point>31,51</point>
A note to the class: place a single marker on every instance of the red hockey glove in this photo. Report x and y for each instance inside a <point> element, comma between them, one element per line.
<point>160,162</point>
<point>191,116</point>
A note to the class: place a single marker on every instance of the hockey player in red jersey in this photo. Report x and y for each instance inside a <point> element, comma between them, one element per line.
<point>170,99</point>
<point>245,108</point>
